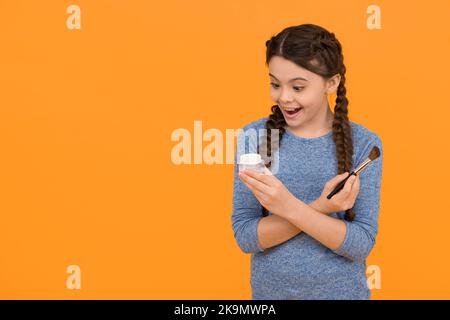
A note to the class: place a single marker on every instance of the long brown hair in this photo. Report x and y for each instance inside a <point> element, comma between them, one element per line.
<point>313,48</point>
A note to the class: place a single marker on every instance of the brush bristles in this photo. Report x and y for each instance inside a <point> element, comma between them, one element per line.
<point>374,153</point>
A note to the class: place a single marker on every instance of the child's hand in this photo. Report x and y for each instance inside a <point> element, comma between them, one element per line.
<point>269,191</point>
<point>344,199</point>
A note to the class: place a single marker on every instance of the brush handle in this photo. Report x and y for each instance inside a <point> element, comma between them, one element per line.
<point>339,186</point>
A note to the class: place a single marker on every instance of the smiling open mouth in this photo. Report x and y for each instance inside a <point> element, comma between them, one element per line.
<point>293,112</point>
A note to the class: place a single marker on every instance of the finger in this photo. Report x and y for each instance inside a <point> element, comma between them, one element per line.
<point>261,177</point>
<point>355,191</point>
<point>344,175</point>
<point>258,195</point>
<point>349,183</point>
<point>267,171</point>
<point>355,186</point>
<point>338,178</point>
<point>244,181</point>
<point>254,182</point>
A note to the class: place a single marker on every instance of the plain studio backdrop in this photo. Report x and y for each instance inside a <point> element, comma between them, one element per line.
<point>87,114</point>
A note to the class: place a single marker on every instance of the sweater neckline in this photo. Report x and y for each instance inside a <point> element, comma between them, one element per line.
<point>322,137</point>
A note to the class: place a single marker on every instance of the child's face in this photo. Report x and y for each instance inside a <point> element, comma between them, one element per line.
<point>309,93</point>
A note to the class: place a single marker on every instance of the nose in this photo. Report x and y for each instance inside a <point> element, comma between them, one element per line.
<point>285,97</point>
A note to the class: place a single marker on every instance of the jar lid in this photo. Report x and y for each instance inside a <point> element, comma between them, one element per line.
<point>250,158</point>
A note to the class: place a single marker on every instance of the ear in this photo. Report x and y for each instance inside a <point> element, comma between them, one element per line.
<point>333,83</point>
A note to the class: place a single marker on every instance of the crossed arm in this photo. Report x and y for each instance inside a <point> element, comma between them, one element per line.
<point>274,196</point>
<point>273,229</point>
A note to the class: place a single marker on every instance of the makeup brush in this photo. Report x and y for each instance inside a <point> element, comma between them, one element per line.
<point>374,154</point>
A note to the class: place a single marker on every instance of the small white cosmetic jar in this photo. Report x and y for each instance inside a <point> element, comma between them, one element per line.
<point>251,161</point>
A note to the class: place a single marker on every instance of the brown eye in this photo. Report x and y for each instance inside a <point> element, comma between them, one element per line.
<point>274,85</point>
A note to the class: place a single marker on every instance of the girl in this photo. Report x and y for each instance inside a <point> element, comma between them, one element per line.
<point>303,245</point>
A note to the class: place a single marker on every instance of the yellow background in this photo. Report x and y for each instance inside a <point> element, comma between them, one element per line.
<point>86,120</point>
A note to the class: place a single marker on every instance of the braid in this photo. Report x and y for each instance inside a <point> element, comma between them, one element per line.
<point>276,121</point>
<point>342,135</point>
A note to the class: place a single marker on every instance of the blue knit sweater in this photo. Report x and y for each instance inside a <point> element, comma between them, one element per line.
<point>302,267</point>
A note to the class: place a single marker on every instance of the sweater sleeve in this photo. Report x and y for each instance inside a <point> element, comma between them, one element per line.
<point>247,211</point>
<point>361,232</point>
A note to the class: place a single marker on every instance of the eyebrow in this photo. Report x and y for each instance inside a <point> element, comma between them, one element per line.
<point>298,78</point>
